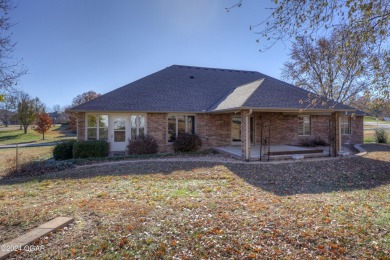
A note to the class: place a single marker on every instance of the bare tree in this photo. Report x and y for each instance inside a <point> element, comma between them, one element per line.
<point>78,100</point>
<point>367,20</point>
<point>334,67</point>
<point>11,69</point>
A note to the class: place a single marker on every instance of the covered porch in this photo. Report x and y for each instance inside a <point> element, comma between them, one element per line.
<point>266,135</point>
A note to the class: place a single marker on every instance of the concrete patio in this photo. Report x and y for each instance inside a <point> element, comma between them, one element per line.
<point>276,152</point>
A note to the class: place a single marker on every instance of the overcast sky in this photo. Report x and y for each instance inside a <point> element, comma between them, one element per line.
<point>74,46</point>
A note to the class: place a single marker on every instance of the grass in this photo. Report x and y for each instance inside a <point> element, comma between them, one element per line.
<point>369,136</point>
<point>147,210</point>
<point>25,154</point>
<point>12,135</point>
<point>372,119</point>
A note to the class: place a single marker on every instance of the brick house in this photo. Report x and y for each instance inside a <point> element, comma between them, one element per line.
<point>224,107</point>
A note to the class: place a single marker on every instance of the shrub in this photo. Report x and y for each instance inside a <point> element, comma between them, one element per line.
<point>186,142</point>
<point>145,144</point>
<point>313,142</point>
<point>380,136</point>
<point>85,149</point>
<point>63,150</point>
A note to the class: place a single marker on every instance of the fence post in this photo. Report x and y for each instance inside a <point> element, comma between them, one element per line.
<point>17,157</point>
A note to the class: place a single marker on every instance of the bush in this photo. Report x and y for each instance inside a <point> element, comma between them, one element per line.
<point>63,150</point>
<point>145,144</point>
<point>186,142</point>
<point>85,149</point>
<point>380,136</point>
<point>313,142</point>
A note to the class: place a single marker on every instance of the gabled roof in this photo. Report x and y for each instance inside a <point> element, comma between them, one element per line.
<point>196,89</point>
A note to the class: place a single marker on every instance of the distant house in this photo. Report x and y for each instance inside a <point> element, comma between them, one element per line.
<point>224,107</point>
<point>58,117</point>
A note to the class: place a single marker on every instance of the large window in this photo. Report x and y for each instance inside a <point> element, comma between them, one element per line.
<point>345,125</point>
<point>180,124</point>
<point>303,125</point>
<point>137,125</point>
<point>97,127</point>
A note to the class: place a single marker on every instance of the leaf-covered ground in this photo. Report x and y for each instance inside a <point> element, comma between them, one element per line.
<point>325,209</point>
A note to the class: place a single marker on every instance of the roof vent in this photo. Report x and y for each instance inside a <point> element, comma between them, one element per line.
<point>192,77</point>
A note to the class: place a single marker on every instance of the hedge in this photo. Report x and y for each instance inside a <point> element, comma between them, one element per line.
<point>85,149</point>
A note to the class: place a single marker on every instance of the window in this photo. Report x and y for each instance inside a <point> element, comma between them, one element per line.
<point>97,127</point>
<point>345,125</point>
<point>236,129</point>
<point>137,125</point>
<point>303,125</point>
<point>119,129</point>
<point>180,124</point>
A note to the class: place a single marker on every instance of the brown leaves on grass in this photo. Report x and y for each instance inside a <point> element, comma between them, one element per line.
<point>192,210</point>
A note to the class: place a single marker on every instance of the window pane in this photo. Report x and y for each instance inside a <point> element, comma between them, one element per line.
<point>120,124</point>
<point>103,121</point>
<point>236,129</point>
<point>91,121</point>
<point>119,136</point>
<point>181,124</point>
<point>103,133</point>
<point>133,121</point>
<point>171,128</point>
<point>91,134</point>
<point>191,124</point>
<point>303,125</point>
<point>141,125</point>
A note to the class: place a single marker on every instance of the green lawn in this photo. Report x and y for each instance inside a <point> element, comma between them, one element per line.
<point>371,119</point>
<point>336,209</point>
<point>12,135</point>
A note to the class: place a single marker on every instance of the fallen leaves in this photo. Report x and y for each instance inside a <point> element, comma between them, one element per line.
<point>193,210</point>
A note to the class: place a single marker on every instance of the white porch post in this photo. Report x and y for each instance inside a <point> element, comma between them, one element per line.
<point>245,135</point>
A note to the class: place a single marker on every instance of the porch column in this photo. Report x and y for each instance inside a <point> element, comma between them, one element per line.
<point>334,134</point>
<point>245,138</point>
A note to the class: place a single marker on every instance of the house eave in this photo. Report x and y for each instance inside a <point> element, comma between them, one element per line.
<point>282,110</point>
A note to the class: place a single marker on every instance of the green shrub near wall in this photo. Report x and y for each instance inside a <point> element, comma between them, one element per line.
<point>85,149</point>
<point>63,150</point>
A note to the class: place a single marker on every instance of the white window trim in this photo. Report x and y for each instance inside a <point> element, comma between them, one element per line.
<point>97,126</point>
<point>177,124</point>
<point>349,123</point>
<point>303,123</point>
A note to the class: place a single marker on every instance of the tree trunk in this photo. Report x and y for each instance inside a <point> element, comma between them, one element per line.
<point>25,127</point>
<point>43,136</point>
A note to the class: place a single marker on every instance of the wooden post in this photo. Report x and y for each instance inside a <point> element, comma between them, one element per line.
<point>17,157</point>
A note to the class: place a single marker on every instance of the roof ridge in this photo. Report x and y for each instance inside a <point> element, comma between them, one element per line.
<point>224,97</point>
<point>219,69</point>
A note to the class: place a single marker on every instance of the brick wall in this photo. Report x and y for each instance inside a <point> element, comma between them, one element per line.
<point>157,127</point>
<point>284,128</point>
<point>356,136</point>
<point>81,126</point>
<point>213,129</point>
<point>357,130</point>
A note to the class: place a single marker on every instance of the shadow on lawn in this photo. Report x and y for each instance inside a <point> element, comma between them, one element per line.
<point>354,173</point>
<point>65,132</point>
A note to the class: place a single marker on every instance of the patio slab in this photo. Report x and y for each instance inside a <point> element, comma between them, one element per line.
<point>276,151</point>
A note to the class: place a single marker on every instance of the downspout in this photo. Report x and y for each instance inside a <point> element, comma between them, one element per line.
<point>247,129</point>
<point>339,133</point>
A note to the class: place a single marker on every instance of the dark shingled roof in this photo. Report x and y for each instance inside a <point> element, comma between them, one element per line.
<point>196,89</point>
